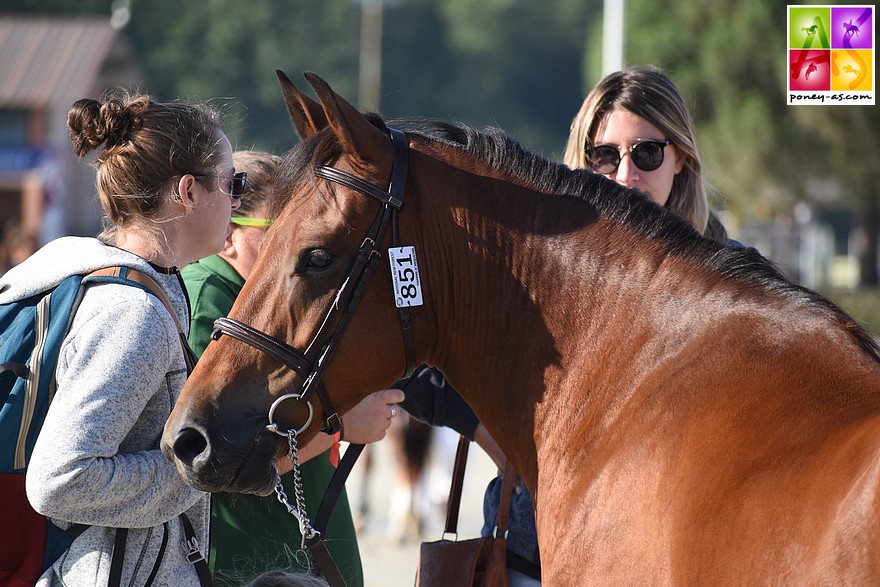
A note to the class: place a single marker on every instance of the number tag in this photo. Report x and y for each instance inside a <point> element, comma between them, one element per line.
<point>405,277</point>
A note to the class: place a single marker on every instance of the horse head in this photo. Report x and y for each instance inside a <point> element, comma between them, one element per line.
<point>271,368</point>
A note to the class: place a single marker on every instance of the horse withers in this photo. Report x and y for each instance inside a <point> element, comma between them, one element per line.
<point>681,412</point>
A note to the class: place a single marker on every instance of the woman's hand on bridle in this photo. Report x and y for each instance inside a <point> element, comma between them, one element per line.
<point>369,420</point>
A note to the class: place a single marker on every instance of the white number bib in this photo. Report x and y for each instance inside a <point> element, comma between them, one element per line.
<point>405,276</point>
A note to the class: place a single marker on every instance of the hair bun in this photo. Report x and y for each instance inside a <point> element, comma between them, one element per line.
<point>119,121</point>
<point>83,127</point>
<point>91,123</point>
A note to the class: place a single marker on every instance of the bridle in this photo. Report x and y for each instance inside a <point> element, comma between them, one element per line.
<point>312,363</point>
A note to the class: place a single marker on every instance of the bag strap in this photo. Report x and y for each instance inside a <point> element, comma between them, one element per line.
<point>501,525</point>
<point>456,486</point>
<point>455,489</point>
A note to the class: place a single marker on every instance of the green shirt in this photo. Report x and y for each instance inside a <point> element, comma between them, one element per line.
<point>252,534</point>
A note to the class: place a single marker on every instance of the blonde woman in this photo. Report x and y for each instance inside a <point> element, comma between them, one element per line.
<point>635,128</point>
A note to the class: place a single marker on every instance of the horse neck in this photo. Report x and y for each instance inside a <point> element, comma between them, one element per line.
<point>503,274</point>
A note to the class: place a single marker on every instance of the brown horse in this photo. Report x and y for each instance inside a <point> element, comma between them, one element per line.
<point>682,413</point>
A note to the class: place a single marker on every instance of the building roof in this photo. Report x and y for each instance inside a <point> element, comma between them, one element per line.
<point>44,61</point>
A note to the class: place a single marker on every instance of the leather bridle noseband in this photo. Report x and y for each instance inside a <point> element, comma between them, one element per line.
<point>312,363</point>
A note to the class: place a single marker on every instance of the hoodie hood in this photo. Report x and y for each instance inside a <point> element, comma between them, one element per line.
<point>60,259</point>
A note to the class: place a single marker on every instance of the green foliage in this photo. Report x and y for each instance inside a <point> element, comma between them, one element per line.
<point>508,63</point>
<point>228,51</point>
<point>730,59</point>
<point>863,305</point>
<point>735,92</point>
<point>55,6</point>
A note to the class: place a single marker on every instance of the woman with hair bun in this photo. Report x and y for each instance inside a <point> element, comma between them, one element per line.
<point>167,186</point>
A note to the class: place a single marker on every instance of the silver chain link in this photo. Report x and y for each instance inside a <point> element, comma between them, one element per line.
<point>299,512</point>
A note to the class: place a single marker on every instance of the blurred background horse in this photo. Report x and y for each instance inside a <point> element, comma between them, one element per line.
<point>411,443</point>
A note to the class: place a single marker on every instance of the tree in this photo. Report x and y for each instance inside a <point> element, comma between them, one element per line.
<point>507,63</point>
<point>231,49</point>
<point>850,144</point>
<point>525,67</point>
<point>511,64</point>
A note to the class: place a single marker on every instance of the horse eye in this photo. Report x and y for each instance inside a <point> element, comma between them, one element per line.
<point>317,259</point>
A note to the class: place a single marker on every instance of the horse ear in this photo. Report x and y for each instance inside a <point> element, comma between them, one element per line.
<point>359,138</point>
<point>306,114</point>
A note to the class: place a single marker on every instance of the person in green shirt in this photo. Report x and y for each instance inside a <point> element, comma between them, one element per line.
<point>251,534</point>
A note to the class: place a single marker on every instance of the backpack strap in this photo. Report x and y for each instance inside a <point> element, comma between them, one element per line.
<point>115,578</point>
<point>156,564</point>
<point>193,554</point>
<point>120,274</point>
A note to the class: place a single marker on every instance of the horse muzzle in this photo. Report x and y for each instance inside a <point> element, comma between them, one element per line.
<point>196,454</point>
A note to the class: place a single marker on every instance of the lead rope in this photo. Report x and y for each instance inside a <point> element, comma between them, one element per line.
<point>311,538</point>
<point>298,512</point>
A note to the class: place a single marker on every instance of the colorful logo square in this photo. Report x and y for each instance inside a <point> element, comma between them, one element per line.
<point>808,27</point>
<point>831,54</point>
<point>809,70</point>
<point>852,27</point>
<point>852,70</point>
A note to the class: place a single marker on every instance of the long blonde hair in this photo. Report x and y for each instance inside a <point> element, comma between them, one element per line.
<point>649,93</point>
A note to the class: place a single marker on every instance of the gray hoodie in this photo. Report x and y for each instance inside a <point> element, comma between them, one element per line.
<point>97,459</point>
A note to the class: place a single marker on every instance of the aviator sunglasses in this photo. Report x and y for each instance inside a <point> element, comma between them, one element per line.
<point>231,186</point>
<point>646,155</point>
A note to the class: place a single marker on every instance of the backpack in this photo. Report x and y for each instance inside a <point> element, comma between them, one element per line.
<point>31,333</point>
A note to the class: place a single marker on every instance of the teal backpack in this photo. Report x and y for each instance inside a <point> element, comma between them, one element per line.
<point>31,333</point>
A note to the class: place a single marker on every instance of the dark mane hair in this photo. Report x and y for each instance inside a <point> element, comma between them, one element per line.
<point>500,152</point>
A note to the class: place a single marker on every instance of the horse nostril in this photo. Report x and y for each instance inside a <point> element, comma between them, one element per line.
<point>188,445</point>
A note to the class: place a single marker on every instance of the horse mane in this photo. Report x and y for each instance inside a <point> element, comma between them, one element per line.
<point>504,157</point>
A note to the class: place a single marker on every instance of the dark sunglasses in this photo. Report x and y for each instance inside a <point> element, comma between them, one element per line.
<point>647,156</point>
<point>231,186</point>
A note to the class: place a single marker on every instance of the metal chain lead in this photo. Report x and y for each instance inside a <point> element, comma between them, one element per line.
<point>299,512</point>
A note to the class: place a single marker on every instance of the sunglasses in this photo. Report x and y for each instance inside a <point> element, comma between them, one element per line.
<point>231,186</point>
<point>246,221</point>
<point>646,155</point>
